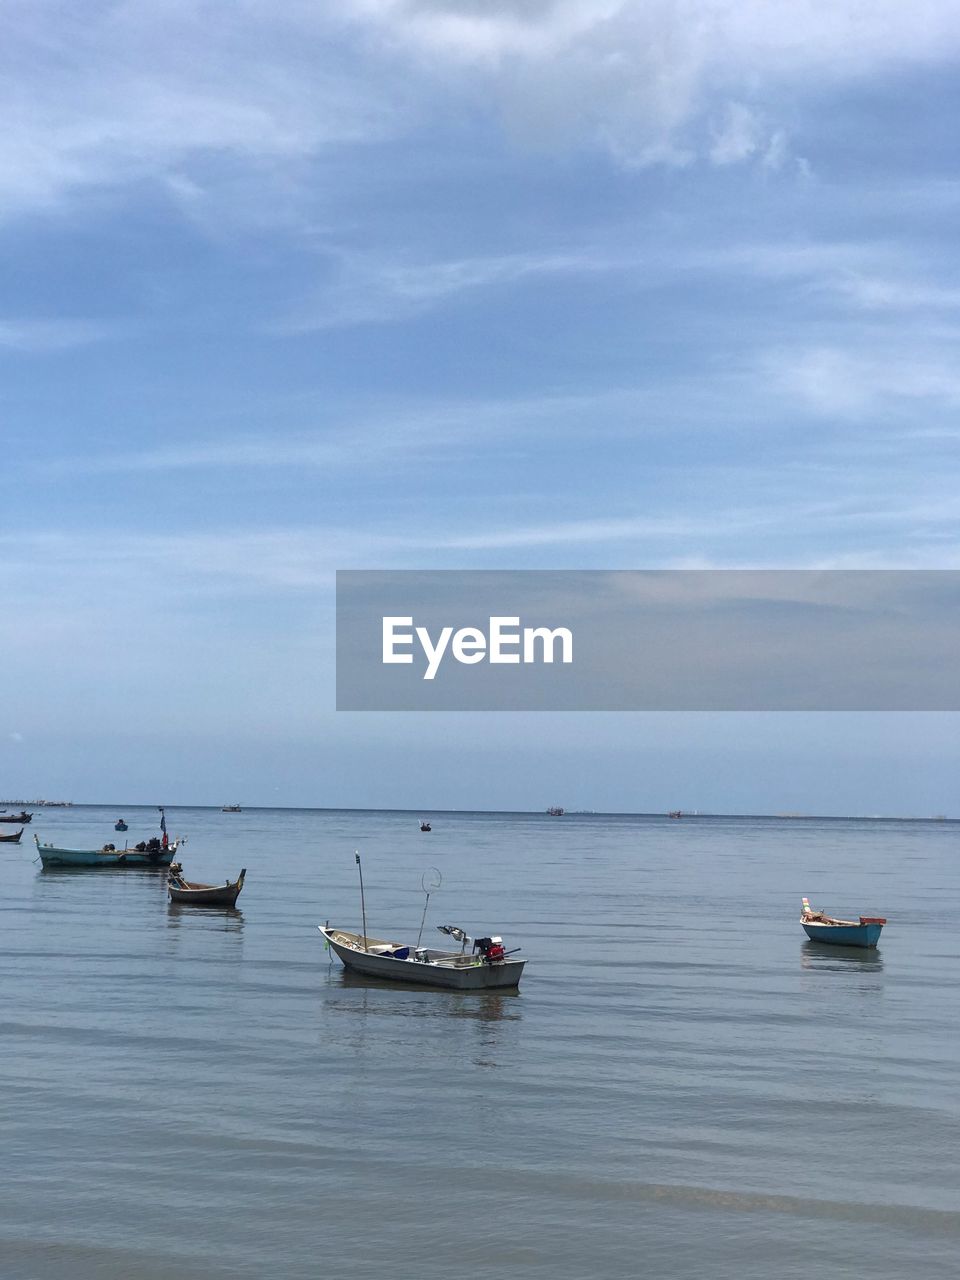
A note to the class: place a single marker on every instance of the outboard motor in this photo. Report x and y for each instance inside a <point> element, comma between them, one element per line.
<point>491,949</point>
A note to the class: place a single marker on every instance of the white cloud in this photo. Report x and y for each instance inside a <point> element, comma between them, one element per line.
<point>50,335</point>
<point>838,382</point>
<point>739,136</point>
<point>99,96</point>
<point>366,289</point>
<point>636,75</point>
<point>903,293</point>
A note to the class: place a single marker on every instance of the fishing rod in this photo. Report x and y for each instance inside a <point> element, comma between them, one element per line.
<point>363,907</point>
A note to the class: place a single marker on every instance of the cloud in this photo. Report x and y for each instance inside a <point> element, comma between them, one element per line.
<point>739,137</point>
<point>107,95</point>
<point>118,93</point>
<point>421,431</point>
<point>878,293</point>
<point>367,289</point>
<point>370,288</point>
<point>640,77</point>
<point>854,383</point>
<point>50,335</point>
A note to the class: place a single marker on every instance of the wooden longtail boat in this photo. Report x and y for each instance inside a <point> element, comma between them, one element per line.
<point>108,856</point>
<point>189,893</point>
<point>21,817</point>
<point>819,927</point>
<point>13,838</point>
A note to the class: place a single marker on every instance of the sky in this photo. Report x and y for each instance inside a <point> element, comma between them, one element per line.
<point>420,284</point>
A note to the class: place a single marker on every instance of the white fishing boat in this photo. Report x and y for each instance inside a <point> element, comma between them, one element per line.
<point>485,966</point>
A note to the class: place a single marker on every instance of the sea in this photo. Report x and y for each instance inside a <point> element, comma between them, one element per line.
<point>683,1087</point>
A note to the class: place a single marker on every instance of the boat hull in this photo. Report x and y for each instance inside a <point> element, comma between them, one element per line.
<point>12,839</point>
<point>474,976</point>
<point>843,935</point>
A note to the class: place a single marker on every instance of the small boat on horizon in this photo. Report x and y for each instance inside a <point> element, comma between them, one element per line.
<point>231,808</point>
<point>120,825</point>
<point>556,811</point>
<point>675,813</point>
<point>425,826</point>
<point>13,838</point>
<point>819,927</point>
<point>190,893</point>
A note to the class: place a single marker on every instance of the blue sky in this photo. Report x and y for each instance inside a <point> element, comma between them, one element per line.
<point>395,284</point>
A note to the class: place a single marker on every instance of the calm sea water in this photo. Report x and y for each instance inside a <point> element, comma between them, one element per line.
<point>684,1087</point>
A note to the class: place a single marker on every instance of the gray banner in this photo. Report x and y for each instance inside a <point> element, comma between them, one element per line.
<point>663,640</point>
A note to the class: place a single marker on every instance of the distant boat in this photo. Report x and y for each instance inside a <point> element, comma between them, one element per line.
<point>189,893</point>
<point>483,967</point>
<point>119,825</point>
<point>20,817</point>
<point>556,811</point>
<point>150,853</point>
<point>819,927</point>
<point>13,838</point>
<point>675,813</point>
<point>425,826</point>
<point>231,808</point>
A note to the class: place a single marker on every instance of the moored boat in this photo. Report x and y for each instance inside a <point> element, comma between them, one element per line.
<point>120,825</point>
<point>13,838</point>
<point>486,966</point>
<point>425,826</point>
<point>150,853</point>
<point>819,927</point>
<point>190,893</point>
<point>231,808</point>
<point>556,811</point>
<point>21,817</point>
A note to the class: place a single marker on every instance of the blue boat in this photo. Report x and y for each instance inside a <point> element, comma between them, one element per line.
<point>154,854</point>
<point>819,927</point>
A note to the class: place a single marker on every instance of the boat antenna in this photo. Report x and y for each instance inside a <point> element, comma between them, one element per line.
<point>363,908</point>
<point>436,880</point>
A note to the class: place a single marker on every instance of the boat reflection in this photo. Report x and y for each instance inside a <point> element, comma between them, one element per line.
<point>494,1014</point>
<point>100,873</point>
<point>210,919</point>
<point>827,958</point>
<point>484,1006</point>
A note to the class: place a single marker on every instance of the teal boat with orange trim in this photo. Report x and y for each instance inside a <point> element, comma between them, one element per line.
<point>819,927</point>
